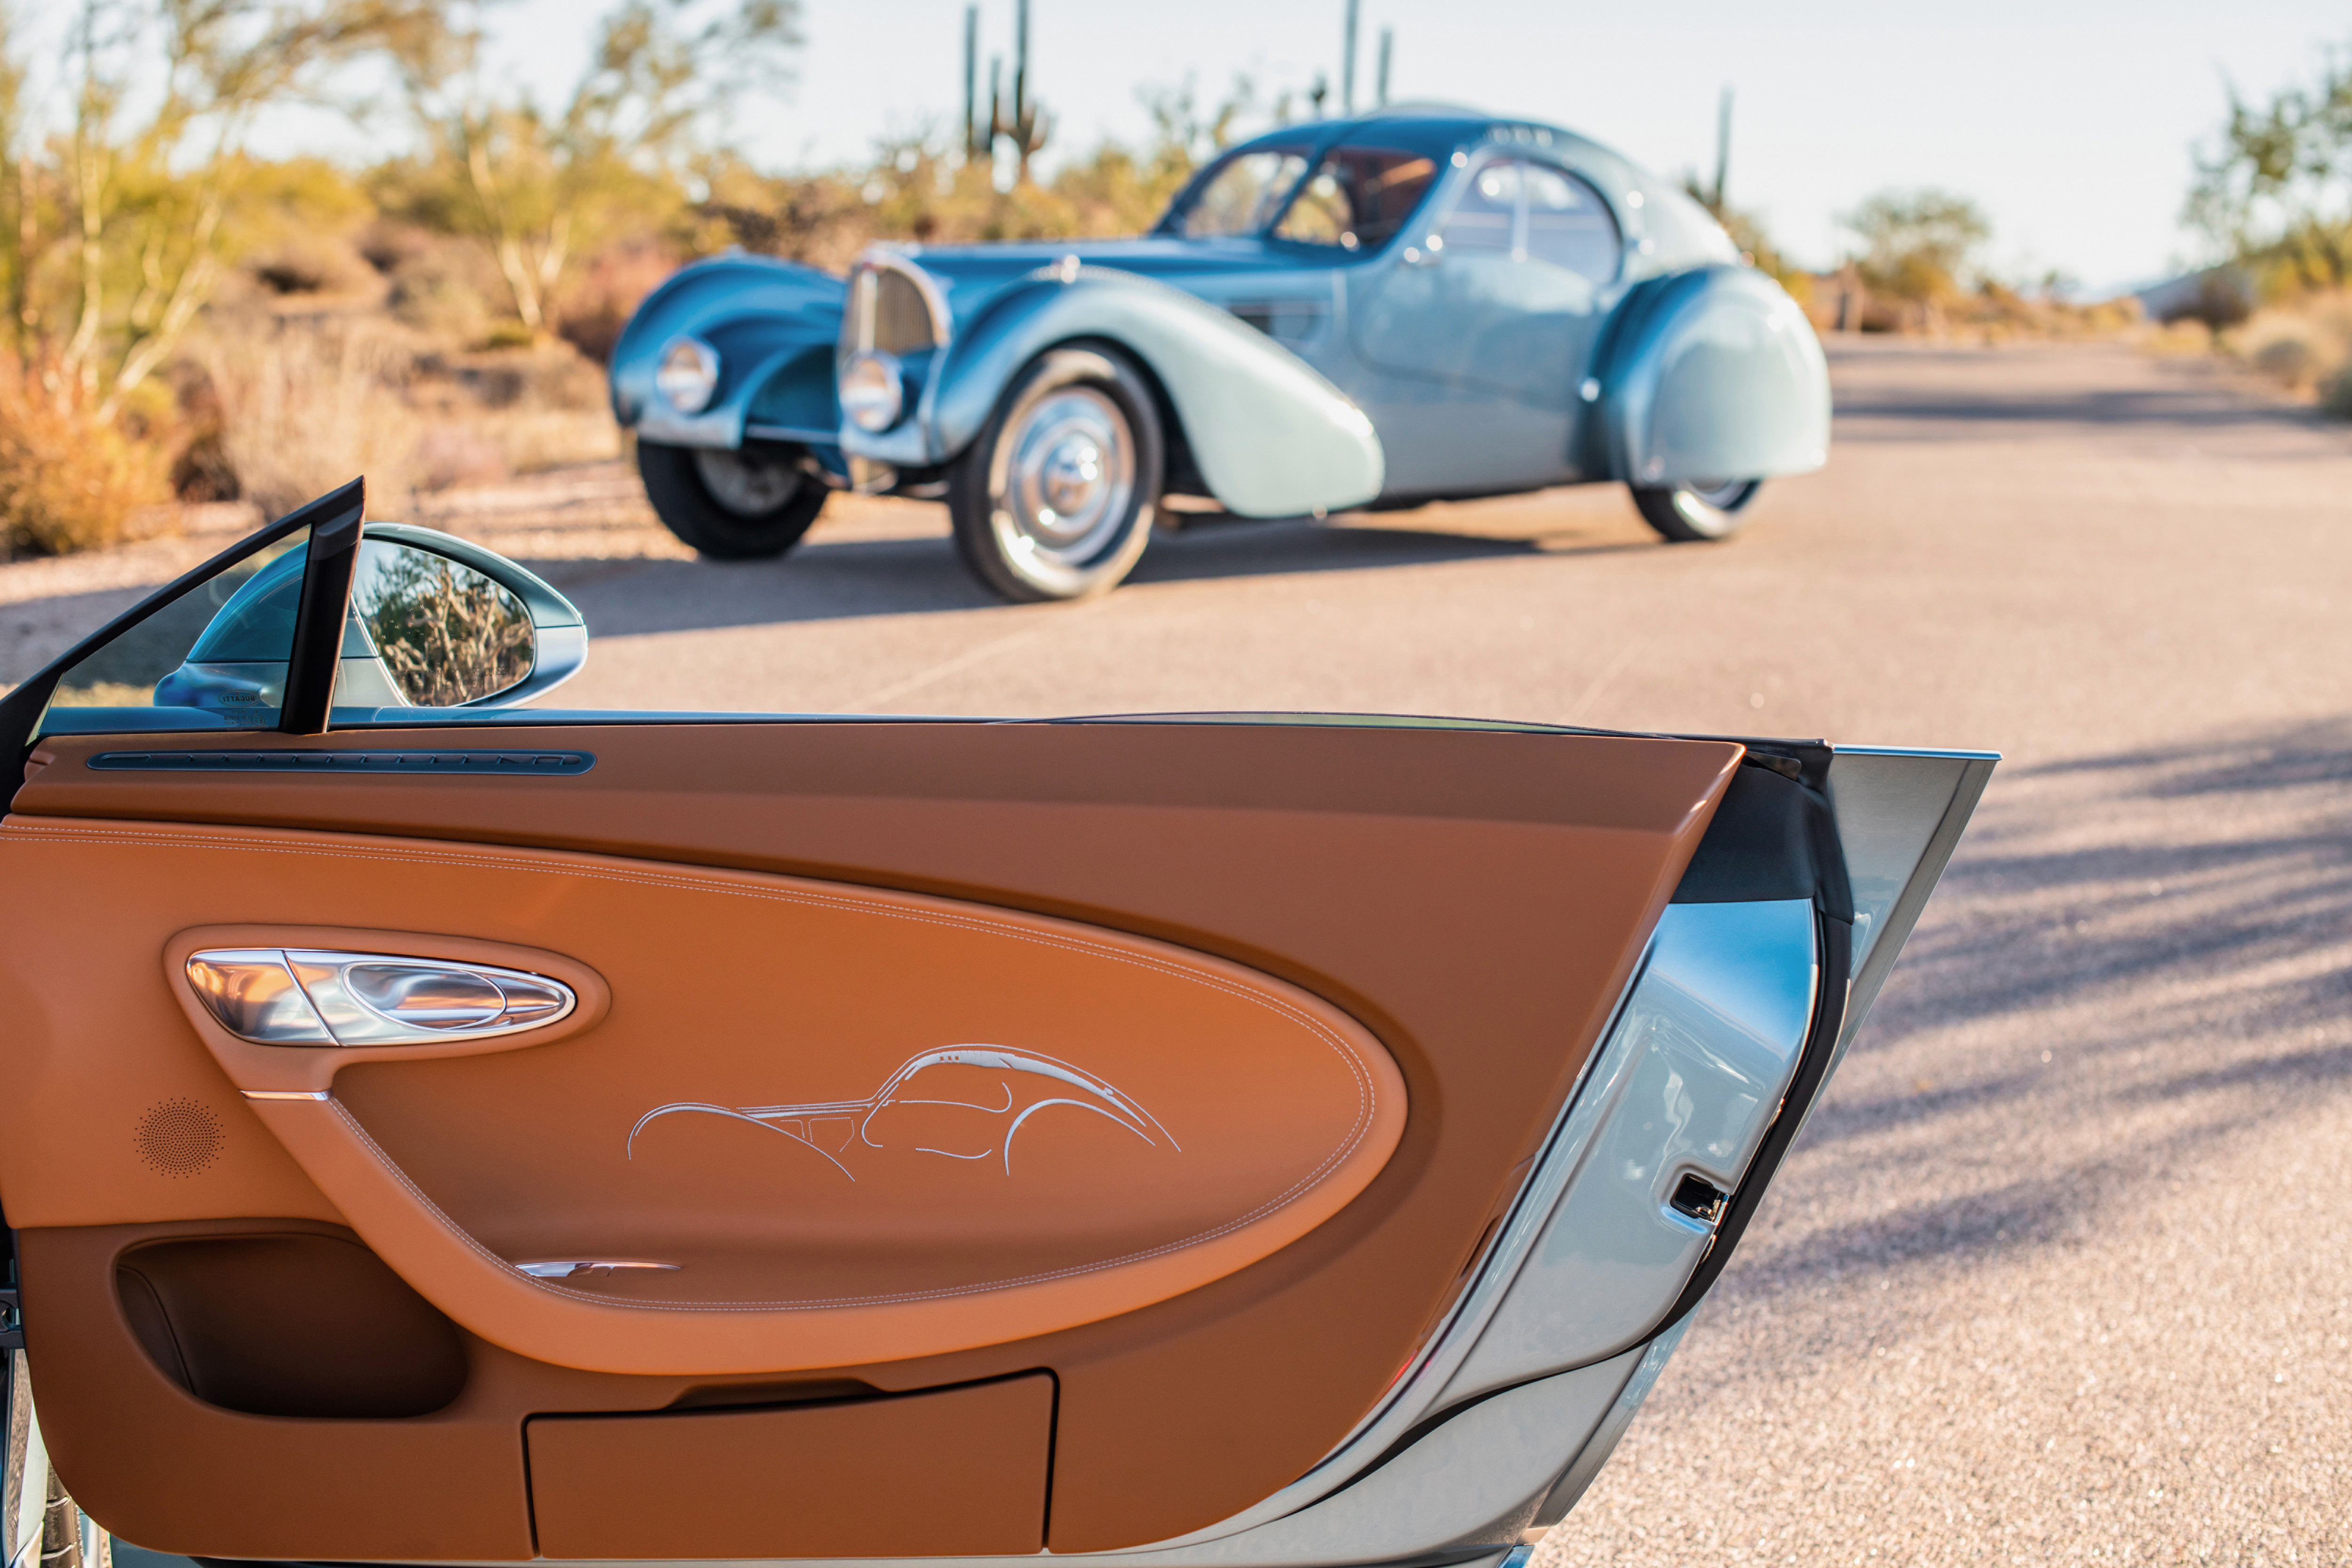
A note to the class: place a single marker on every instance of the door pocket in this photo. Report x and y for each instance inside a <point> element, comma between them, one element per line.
<point>958,1471</point>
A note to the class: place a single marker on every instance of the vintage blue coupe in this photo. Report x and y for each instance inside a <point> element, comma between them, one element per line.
<point>1419,304</point>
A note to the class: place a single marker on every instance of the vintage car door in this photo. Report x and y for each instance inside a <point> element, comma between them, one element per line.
<point>1480,331</point>
<point>449,1133</point>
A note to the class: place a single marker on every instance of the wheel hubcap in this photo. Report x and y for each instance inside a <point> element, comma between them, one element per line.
<point>1071,478</point>
<point>746,486</point>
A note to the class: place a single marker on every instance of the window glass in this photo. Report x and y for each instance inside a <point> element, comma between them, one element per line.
<point>1240,197</point>
<point>1568,224</point>
<point>1357,198</point>
<point>213,658</point>
<point>1486,214</point>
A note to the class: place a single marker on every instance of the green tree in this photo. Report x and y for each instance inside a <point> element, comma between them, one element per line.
<point>539,189</point>
<point>2275,187</point>
<point>124,219</point>
<point>1917,245</point>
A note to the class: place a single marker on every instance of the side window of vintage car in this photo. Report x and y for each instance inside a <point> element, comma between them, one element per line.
<point>1239,199</point>
<point>1484,218</point>
<point>1569,226</point>
<point>1357,198</point>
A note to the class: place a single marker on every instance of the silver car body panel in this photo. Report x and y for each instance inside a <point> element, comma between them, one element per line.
<point>1717,375</point>
<point>1271,437</point>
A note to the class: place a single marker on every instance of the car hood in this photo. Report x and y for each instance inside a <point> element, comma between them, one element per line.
<point>970,273</point>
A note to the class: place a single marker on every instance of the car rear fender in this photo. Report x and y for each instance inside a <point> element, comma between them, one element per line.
<point>773,324</point>
<point>1269,435</point>
<point>1713,373</point>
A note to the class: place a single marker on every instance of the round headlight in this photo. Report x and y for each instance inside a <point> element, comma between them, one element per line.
<point>871,391</point>
<point>688,375</point>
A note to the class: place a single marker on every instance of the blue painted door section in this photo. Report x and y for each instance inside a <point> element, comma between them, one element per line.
<point>1500,303</point>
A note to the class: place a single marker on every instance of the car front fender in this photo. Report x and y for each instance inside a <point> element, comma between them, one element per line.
<point>1713,374</point>
<point>775,324</point>
<point>1269,435</point>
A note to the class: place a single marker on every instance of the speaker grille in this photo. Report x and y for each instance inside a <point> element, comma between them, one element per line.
<point>178,1138</point>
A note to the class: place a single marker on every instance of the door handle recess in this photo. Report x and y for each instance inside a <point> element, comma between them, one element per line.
<point>310,997</point>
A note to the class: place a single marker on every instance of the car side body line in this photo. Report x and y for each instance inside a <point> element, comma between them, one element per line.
<point>1271,438</point>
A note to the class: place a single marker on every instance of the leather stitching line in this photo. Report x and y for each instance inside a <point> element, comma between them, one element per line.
<point>844,903</point>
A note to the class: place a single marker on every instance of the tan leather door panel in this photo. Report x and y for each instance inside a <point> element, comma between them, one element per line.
<point>858,1126</point>
<point>959,1472</point>
<point>1463,906</point>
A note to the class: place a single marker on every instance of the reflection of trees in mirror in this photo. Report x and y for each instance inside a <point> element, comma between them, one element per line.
<point>447,635</point>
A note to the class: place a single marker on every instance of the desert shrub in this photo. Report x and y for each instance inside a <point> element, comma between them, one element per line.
<point>69,479</point>
<point>598,300</point>
<point>306,407</point>
<point>2303,342</point>
<point>447,455</point>
<point>2290,361</point>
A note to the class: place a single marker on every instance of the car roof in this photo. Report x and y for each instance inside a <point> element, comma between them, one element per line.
<point>1428,128</point>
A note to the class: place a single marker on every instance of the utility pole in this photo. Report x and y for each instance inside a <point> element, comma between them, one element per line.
<point>1348,64</point>
<point>1387,41</point>
<point>971,137</point>
<point>1722,147</point>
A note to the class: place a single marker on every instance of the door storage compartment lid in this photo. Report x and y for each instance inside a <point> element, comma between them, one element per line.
<point>958,1472</point>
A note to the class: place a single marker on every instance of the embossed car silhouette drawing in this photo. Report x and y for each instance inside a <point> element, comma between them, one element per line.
<point>843,1130</point>
<point>1419,304</point>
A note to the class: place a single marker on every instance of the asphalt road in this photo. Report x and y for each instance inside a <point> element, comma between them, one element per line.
<point>2063,1268</point>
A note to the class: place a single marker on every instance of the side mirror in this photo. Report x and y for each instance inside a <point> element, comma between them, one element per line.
<point>435,622</point>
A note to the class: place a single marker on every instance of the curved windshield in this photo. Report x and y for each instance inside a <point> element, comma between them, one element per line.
<point>1357,198</point>
<point>1241,197</point>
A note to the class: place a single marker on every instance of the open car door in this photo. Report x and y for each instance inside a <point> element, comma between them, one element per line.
<point>438,1131</point>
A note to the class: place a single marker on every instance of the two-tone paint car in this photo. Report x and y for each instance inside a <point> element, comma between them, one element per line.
<point>1416,305</point>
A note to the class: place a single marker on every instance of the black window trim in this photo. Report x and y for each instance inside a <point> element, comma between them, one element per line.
<point>334,515</point>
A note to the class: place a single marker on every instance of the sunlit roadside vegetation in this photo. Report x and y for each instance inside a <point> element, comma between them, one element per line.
<point>189,321</point>
<point>2272,194</point>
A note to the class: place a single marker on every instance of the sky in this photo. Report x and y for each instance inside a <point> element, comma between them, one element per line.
<point>2070,122</point>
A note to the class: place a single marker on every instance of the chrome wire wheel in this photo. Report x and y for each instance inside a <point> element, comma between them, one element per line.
<point>1055,499</point>
<point>1697,509</point>
<point>1069,478</point>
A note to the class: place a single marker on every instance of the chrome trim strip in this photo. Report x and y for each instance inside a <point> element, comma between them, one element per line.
<point>287,1094</point>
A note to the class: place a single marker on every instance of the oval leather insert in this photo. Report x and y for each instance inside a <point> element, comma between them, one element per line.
<point>862,1125</point>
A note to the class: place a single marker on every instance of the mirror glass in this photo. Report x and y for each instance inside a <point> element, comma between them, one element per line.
<point>442,633</point>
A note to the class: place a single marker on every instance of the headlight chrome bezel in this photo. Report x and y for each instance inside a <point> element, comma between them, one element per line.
<point>872,390</point>
<point>686,375</point>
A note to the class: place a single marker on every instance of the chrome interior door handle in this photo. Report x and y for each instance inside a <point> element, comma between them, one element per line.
<point>306,996</point>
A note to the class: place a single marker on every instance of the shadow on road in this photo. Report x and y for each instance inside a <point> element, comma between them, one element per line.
<point>851,578</point>
<point>2173,927</point>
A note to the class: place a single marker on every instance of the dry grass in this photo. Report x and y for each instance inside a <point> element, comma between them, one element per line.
<point>69,481</point>
<point>308,406</point>
<point>2304,346</point>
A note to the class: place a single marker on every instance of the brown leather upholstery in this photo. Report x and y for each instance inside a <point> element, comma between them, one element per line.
<point>1167,1117</point>
<point>958,1471</point>
<point>1473,900</point>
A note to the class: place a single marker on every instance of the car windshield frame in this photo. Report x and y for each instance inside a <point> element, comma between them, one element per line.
<point>1309,151</point>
